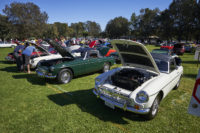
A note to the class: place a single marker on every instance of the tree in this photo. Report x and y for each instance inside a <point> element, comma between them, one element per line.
<point>165,30</point>
<point>5,27</point>
<point>117,27</point>
<point>134,25</point>
<point>93,28</point>
<point>183,14</point>
<point>148,22</point>
<point>61,29</point>
<point>27,19</point>
<point>70,32</point>
<point>78,28</point>
<point>51,31</point>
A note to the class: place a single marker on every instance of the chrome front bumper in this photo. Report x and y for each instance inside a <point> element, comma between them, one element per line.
<point>122,106</point>
<point>41,74</point>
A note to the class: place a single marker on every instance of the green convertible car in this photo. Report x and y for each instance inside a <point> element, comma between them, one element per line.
<point>73,64</point>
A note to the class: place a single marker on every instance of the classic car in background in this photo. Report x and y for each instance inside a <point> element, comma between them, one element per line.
<point>190,47</point>
<point>105,51</point>
<point>50,56</point>
<point>179,48</point>
<point>46,55</point>
<point>42,51</point>
<point>7,45</point>
<point>115,55</point>
<point>67,67</point>
<point>10,57</point>
<point>167,46</point>
<point>142,81</point>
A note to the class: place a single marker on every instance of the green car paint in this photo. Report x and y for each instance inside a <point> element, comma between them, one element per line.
<point>78,65</point>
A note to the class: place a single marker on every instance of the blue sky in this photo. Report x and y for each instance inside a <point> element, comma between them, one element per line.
<point>100,11</point>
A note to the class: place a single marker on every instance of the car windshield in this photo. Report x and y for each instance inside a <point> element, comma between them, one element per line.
<point>160,51</point>
<point>162,65</point>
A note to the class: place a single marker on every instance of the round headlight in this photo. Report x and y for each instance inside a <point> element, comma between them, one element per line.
<point>142,96</point>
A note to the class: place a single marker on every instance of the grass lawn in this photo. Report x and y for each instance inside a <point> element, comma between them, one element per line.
<point>32,104</point>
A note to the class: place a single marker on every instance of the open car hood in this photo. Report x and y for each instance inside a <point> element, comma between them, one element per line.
<point>135,54</point>
<point>40,48</point>
<point>64,52</point>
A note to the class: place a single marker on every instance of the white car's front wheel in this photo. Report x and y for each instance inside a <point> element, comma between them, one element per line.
<point>154,109</point>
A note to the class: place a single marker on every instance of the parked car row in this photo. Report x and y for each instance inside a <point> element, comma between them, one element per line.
<point>178,48</point>
<point>138,86</point>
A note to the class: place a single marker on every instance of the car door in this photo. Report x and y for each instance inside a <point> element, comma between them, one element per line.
<point>79,66</point>
<point>174,75</point>
<point>92,62</point>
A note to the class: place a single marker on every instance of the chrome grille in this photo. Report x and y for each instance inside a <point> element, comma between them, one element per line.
<point>117,97</point>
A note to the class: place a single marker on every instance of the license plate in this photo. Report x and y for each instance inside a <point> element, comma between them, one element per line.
<point>110,105</point>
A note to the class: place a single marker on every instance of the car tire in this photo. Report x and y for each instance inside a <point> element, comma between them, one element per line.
<point>106,67</point>
<point>154,109</point>
<point>64,76</point>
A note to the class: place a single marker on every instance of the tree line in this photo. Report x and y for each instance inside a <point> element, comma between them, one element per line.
<point>180,21</point>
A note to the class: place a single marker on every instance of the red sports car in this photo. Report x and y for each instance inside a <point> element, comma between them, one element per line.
<point>167,46</point>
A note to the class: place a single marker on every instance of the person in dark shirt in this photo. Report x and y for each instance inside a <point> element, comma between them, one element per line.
<point>18,56</point>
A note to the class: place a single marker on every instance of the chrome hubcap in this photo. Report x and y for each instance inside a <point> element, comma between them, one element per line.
<point>155,107</point>
<point>65,77</point>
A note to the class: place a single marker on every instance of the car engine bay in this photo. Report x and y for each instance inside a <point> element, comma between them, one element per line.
<point>130,79</point>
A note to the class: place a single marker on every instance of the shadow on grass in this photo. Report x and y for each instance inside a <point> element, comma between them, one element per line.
<point>10,69</point>
<point>7,62</point>
<point>189,62</point>
<point>87,102</point>
<point>34,79</point>
<point>193,76</point>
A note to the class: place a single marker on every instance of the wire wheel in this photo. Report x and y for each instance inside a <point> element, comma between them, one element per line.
<point>64,76</point>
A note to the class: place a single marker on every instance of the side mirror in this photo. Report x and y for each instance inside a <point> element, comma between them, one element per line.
<point>178,61</point>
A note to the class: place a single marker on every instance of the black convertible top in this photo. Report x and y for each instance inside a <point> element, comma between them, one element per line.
<point>162,57</point>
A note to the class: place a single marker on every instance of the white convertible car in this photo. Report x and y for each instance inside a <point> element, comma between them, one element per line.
<point>34,61</point>
<point>142,82</point>
<point>50,56</point>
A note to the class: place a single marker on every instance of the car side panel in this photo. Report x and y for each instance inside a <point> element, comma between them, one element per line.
<point>80,66</point>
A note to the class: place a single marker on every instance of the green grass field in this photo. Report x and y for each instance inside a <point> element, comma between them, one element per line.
<point>32,104</point>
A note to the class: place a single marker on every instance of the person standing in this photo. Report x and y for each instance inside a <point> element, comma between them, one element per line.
<point>17,54</point>
<point>27,54</point>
